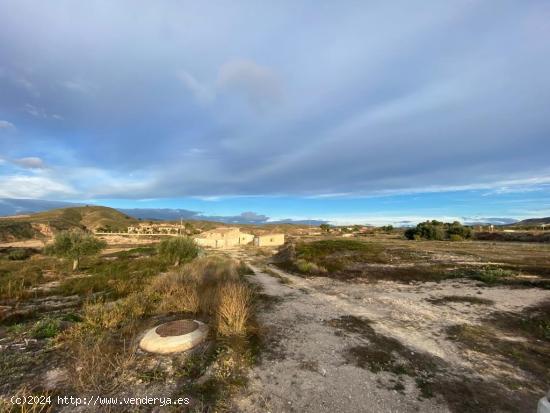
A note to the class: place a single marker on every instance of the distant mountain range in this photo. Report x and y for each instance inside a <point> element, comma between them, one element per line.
<point>489,221</point>
<point>533,222</point>
<point>10,207</point>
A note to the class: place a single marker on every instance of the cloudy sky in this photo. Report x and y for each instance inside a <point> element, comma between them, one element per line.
<point>346,111</point>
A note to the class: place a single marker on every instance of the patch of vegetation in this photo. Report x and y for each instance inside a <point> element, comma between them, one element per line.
<point>18,277</point>
<point>320,249</point>
<point>436,230</point>
<point>207,288</point>
<point>15,366</point>
<point>491,274</point>
<point>85,218</point>
<point>525,236</point>
<point>46,328</point>
<point>115,278</point>
<point>528,355</point>
<point>308,267</point>
<point>20,254</point>
<point>533,322</point>
<point>460,299</point>
<point>496,275</point>
<point>137,252</point>
<point>433,377</point>
<point>382,353</point>
<point>13,230</point>
<point>178,250</point>
<point>330,257</point>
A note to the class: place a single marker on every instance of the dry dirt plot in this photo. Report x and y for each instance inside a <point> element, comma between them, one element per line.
<point>353,345</point>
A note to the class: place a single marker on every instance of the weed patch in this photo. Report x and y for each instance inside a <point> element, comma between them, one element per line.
<point>46,328</point>
<point>460,299</point>
<point>432,375</point>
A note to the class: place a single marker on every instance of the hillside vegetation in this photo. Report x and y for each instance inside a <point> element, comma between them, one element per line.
<point>86,217</point>
<point>90,218</point>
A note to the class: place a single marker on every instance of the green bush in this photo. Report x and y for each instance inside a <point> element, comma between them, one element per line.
<point>436,230</point>
<point>178,250</point>
<point>46,328</point>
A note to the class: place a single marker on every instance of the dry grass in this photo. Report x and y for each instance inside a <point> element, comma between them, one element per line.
<point>101,316</point>
<point>99,364</point>
<point>235,300</point>
<point>175,294</point>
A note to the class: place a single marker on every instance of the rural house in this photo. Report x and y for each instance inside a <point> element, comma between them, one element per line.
<point>223,238</point>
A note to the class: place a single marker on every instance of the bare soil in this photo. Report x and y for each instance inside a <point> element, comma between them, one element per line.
<point>349,346</point>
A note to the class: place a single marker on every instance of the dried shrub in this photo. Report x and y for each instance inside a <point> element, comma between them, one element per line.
<point>100,364</point>
<point>234,310</point>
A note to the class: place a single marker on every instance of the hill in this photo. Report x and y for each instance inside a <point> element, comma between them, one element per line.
<point>532,222</point>
<point>46,223</point>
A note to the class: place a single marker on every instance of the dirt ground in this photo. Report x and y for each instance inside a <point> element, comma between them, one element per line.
<point>350,346</point>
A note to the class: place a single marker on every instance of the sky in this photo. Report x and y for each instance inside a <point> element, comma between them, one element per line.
<point>349,111</point>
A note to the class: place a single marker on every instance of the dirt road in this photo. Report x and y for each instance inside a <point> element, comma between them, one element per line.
<point>350,347</point>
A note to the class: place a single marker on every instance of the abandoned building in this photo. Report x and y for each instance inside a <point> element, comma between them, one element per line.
<point>232,237</point>
<point>269,240</point>
<point>223,238</point>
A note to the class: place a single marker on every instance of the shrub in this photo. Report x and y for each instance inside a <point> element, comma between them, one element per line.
<point>74,244</point>
<point>491,275</point>
<point>178,250</point>
<point>455,237</point>
<point>308,267</point>
<point>235,299</point>
<point>176,293</point>
<point>436,230</point>
<point>101,316</point>
<point>100,363</point>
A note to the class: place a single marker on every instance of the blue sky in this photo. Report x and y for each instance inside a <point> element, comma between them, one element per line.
<point>352,111</point>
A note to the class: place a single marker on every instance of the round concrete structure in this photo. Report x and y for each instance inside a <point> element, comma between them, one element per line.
<point>175,336</point>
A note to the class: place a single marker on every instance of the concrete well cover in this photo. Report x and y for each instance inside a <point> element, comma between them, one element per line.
<point>174,336</point>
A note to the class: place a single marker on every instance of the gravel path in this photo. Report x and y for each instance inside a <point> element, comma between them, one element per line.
<point>304,369</point>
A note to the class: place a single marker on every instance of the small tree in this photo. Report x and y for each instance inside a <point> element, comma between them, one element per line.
<point>325,227</point>
<point>74,245</point>
<point>178,249</point>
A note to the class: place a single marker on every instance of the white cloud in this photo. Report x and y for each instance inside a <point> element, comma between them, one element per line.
<point>18,186</point>
<point>5,125</point>
<point>41,113</point>
<point>77,86</point>
<point>31,162</point>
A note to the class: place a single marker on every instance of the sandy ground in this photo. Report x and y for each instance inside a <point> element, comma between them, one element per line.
<point>31,243</point>
<point>304,369</point>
